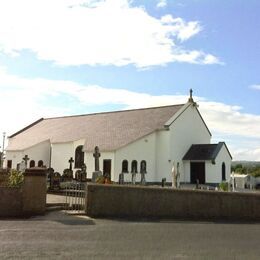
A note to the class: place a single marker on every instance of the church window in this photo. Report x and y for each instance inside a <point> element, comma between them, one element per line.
<point>32,163</point>
<point>125,166</point>
<point>79,157</point>
<point>143,167</point>
<point>223,171</point>
<point>40,163</point>
<point>134,166</point>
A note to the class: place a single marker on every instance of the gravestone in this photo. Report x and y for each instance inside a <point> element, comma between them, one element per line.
<point>67,175</point>
<point>81,175</point>
<point>70,162</point>
<point>121,178</point>
<point>49,174</point>
<point>97,173</point>
<point>55,181</point>
<point>26,159</point>
<point>143,172</point>
<point>163,182</point>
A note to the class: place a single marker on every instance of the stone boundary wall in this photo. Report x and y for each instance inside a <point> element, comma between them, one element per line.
<point>11,202</point>
<point>118,201</point>
<point>28,200</point>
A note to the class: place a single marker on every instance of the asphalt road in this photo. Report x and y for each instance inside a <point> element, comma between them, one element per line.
<point>61,236</point>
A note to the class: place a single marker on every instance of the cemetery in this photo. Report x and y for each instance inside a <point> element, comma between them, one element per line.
<point>163,166</point>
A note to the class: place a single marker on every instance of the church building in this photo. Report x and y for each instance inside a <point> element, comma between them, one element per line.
<point>150,140</point>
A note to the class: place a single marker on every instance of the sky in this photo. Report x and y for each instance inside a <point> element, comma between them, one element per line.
<point>69,57</point>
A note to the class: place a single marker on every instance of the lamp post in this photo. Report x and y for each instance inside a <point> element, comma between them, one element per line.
<point>2,152</point>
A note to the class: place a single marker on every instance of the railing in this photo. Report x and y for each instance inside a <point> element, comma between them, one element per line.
<point>75,196</point>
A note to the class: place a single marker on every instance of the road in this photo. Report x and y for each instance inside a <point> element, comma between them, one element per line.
<point>60,236</point>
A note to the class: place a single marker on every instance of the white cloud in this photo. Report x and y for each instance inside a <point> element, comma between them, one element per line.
<point>257,87</point>
<point>95,32</point>
<point>161,3</point>
<point>25,100</point>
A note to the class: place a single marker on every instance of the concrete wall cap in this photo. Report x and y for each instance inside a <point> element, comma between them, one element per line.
<point>35,171</point>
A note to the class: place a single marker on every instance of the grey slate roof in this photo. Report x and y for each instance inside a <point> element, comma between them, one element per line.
<point>204,152</point>
<point>110,130</point>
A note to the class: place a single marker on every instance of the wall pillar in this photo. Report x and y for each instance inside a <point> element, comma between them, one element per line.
<point>34,191</point>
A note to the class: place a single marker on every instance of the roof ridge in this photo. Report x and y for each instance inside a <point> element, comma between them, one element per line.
<point>110,112</point>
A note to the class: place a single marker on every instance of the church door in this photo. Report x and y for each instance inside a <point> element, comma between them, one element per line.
<point>197,172</point>
<point>107,168</point>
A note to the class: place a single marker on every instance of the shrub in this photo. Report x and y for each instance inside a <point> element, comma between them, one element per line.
<point>15,179</point>
<point>223,186</point>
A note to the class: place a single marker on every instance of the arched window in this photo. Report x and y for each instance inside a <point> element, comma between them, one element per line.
<point>134,166</point>
<point>125,166</point>
<point>79,157</point>
<point>223,171</point>
<point>143,167</point>
<point>32,163</point>
<point>40,163</point>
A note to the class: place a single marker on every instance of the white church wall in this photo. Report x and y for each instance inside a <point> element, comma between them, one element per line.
<point>142,149</point>
<point>163,158</point>
<point>37,152</point>
<point>90,162</point>
<point>214,171</point>
<point>15,156</point>
<point>61,153</point>
<point>186,130</point>
<point>185,176</point>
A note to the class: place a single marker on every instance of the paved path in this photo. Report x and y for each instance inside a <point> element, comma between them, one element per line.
<point>60,236</point>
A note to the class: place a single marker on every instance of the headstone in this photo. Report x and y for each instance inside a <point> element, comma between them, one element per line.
<point>121,178</point>
<point>143,182</point>
<point>163,182</point>
<point>49,174</point>
<point>26,159</point>
<point>22,166</point>
<point>56,181</point>
<point>67,175</point>
<point>143,172</point>
<point>97,173</point>
<point>70,162</point>
<point>96,155</point>
<point>80,175</point>
<point>133,178</point>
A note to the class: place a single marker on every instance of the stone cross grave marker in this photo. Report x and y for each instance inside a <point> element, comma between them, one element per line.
<point>71,161</point>
<point>96,155</point>
<point>26,159</point>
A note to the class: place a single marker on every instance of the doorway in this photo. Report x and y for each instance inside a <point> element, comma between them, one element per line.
<point>107,168</point>
<point>197,172</point>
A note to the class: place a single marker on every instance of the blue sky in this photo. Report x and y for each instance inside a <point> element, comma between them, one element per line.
<point>67,57</point>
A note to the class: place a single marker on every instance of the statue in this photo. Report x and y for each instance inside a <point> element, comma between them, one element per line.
<point>174,180</point>
<point>178,175</point>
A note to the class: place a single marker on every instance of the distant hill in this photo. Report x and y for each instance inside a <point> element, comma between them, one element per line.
<point>246,163</point>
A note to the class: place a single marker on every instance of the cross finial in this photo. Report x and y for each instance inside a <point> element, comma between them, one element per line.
<point>191,99</point>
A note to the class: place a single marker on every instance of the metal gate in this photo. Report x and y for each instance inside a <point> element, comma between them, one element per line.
<point>75,196</point>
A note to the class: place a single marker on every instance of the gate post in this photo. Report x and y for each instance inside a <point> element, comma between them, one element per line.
<point>34,191</point>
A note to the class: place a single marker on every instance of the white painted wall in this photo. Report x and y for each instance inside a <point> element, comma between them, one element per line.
<point>142,149</point>
<point>60,155</point>
<point>62,152</point>
<point>214,171</point>
<point>37,152</point>
<point>90,162</point>
<point>186,130</point>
